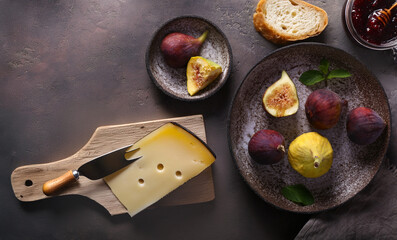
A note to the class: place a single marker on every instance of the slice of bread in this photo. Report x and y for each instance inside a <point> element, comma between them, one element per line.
<point>282,21</point>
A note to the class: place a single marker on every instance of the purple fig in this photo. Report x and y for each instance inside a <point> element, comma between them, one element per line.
<point>323,108</point>
<point>266,147</point>
<point>178,48</point>
<point>364,126</point>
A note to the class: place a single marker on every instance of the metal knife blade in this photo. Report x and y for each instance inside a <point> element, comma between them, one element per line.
<point>106,164</point>
<point>95,169</point>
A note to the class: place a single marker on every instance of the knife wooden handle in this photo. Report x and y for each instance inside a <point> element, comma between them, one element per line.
<point>52,186</point>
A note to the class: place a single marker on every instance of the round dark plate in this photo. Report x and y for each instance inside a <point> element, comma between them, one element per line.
<point>172,81</point>
<point>353,167</point>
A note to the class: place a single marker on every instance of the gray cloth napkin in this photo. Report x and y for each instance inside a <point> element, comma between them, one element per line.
<point>372,214</point>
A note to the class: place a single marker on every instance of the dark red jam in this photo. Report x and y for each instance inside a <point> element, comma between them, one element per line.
<point>368,26</point>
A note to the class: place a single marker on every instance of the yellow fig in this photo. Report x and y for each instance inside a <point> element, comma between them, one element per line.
<point>281,98</point>
<point>310,154</point>
<point>200,73</point>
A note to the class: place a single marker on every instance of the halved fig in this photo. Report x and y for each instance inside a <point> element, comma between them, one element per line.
<point>200,73</point>
<point>281,98</point>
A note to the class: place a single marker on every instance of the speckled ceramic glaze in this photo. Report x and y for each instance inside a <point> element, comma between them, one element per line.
<point>172,81</point>
<point>353,167</point>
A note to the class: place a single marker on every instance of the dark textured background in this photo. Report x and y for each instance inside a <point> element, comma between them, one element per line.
<point>67,67</point>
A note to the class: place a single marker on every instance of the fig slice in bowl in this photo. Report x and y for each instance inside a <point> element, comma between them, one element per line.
<point>200,73</point>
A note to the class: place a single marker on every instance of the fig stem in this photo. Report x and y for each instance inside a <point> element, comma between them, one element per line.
<point>317,161</point>
<point>203,36</point>
<point>281,148</point>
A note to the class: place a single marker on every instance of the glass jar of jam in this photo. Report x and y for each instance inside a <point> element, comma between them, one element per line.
<point>366,28</point>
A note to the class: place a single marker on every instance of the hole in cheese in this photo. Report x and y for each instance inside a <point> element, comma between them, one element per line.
<point>160,167</point>
<point>178,174</point>
<point>141,181</point>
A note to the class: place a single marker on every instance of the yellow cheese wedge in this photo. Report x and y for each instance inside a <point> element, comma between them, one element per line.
<point>170,157</point>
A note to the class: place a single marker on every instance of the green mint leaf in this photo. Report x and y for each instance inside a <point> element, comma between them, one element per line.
<point>298,194</point>
<point>338,73</point>
<point>324,66</point>
<point>311,77</point>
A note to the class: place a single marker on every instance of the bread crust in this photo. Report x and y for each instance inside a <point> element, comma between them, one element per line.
<point>277,37</point>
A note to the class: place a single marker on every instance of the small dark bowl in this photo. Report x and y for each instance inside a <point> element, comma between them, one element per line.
<point>353,166</point>
<point>172,81</point>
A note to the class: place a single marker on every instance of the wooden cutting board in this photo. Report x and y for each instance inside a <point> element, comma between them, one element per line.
<point>27,181</point>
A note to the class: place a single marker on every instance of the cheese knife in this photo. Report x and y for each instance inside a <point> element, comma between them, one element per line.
<point>95,169</point>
